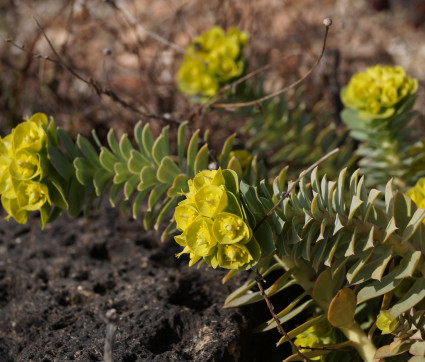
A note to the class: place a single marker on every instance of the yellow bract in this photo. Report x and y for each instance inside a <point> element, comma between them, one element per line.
<point>229,229</point>
<point>6,146</point>
<point>319,335</point>
<point>22,155</point>
<point>28,135</point>
<point>208,177</point>
<point>25,165</point>
<point>13,210</point>
<point>184,215</point>
<point>386,322</point>
<point>213,59</point>
<point>31,195</point>
<point>210,200</point>
<point>417,193</point>
<point>377,92</point>
<point>233,256</point>
<point>199,237</point>
<point>210,231</point>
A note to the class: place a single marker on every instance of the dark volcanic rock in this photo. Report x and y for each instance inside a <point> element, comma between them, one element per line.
<point>56,286</point>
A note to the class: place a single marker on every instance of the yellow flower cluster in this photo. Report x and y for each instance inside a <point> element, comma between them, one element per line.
<point>319,335</point>
<point>417,193</point>
<point>23,160</point>
<point>213,224</point>
<point>212,60</point>
<point>378,91</point>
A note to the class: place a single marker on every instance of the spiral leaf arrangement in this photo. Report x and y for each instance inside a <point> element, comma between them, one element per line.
<point>344,250</point>
<point>285,131</point>
<point>132,175</point>
<point>379,105</point>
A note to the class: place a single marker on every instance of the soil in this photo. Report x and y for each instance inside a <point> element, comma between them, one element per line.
<point>57,285</point>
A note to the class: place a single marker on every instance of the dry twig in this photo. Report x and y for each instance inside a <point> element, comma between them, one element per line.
<point>224,89</point>
<point>93,83</point>
<point>111,319</point>
<point>327,22</point>
<point>259,279</point>
<point>133,22</point>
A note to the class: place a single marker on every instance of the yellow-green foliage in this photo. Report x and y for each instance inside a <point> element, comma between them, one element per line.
<point>23,160</point>
<point>378,111</point>
<point>240,162</point>
<point>213,59</point>
<point>386,322</point>
<point>319,335</point>
<point>214,224</point>
<point>417,193</point>
<point>376,92</point>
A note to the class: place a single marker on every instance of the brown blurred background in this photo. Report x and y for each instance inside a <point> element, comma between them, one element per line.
<point>112,48</point>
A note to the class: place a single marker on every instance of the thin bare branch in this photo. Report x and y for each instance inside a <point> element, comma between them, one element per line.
<point>224,89</point>
<point>327,22</point>
<point>131,20</point>
<point>59,59</point>
<point>34,54</point>
<point>259,279</point>
<point>285,194</point>
<point>94,84</point>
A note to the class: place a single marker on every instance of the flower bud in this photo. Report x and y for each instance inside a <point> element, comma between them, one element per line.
<point>212,60</point>
<point>417,193</point>
<point>318,335</point>
<point>213,224</point>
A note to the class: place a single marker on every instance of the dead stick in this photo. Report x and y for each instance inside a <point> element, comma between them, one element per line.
<point>111,327</point>
<point>98,88</point>
<point>224,89</point>
<point>327,22</point>
<point>259,279</point>
<point>325,348</point>
<point>132,20</point>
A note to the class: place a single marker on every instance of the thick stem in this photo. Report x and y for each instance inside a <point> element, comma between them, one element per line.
<point>305,276</point>
<point>361,342</point>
